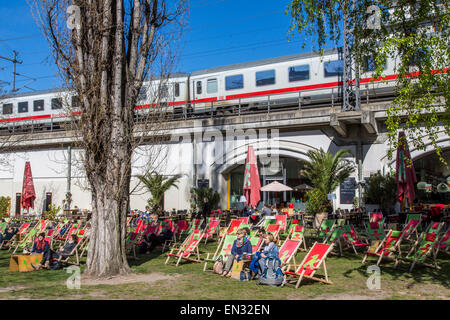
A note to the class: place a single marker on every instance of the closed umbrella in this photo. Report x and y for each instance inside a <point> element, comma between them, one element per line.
<point>405,174</point>
<point>28,193</point>
<point>252,185</point>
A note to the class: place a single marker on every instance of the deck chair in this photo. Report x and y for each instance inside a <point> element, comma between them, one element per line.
<point>443,243</point>
<point>223,250</point>
<point>375,231</point>
<point>130,243</point>
<point>325,228</point>
<point>195,225</point>
<point>256,243</point>
<point>310,264</point>
<point>187,250</point>
<point>411,228</point>
<point>26,242</point>
<point>351,238</point>
<point>388,248</point>
<point>287,251</point>
<point>334,237</point>
<point>375,217</point>
<point>233,227</point>
<point>3,227</point>
<point>282,221</point>
<point>212,230</point>
<point>273,229</point>
<point>298,234</point>
<point>244,220</point>
<point>74,254</point>
<point>415,216</point>
<point>420,251</point>
<point>18,237</point>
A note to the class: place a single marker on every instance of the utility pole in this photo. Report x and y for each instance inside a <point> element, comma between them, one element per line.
<point>14,61</point>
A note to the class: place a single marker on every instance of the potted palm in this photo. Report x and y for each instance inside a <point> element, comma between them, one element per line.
<point>326,172</point>
<point>157,185</point>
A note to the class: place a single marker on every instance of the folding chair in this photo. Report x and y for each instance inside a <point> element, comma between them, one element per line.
<point>244,220</point>
<point>310,264</point>
<point>410,228</point>
<point>351,238</point>
<point>256,243</point>
<point>222,251</point>
<point>282,221</point>
<point>186,250</point>
<point>273,229</point>
<point>287,251</point>
<point>334,237</point>
<point>298,234</point>
<point>388,248</point>
<point>212,230</point>
<point>375,231</point>
<point>325,228</point>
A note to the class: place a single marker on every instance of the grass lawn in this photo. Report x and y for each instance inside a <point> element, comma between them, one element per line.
<point>188,281</point>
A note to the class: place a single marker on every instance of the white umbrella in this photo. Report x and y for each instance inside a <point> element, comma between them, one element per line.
<point>303,187</point>
<point>276,187</point>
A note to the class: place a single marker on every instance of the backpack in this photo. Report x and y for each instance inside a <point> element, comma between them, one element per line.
<point>55,265</point>
<point>271,272</point>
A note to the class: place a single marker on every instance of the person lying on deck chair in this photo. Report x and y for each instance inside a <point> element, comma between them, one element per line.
<point>7,235</point>
<point>63,252</point>
<point>152,240</point>
<point>241,246</point>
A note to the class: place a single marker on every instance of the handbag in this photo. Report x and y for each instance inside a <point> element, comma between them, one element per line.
<point>218,266</point>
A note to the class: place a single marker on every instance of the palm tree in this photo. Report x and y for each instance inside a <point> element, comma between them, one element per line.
<point>326,172</point>
<point>157,185</point>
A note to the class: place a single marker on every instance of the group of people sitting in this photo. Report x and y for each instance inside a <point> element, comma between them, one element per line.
<point>242,249</point>
<point>42,246</point>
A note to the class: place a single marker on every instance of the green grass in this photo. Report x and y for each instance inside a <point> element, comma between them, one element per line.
<point>188,281</point>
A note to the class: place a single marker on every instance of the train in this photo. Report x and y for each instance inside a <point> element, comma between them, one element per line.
<point>304,80</point>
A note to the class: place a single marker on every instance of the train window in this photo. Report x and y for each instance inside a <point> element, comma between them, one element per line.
<point>299,73</point>
<point>177,89</point>
<point>264,78</point>
<point>164,91</point>
<point>234,82</point>
<point>142,94</point>
<point>334,68</point>
<point>8,108</point>
<point>199,87</point>
<point>369,64</point>
<point>75,102</point>
<point>38,105</point>
<point>211,86</point>
<point>56,103</point>
<point>23,107</point>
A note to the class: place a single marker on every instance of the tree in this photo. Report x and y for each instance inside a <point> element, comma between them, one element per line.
<point>382,190</point>
<point>199,194</point>
<point>157,185</point>
<point>326,172</point>
<point>414,32</point>
<point>106,49</point>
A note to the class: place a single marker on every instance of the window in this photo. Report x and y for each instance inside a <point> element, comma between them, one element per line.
<point>142,94</point>
<point>56,103</point>
<point>8,108</point>
<point>177,89</point>
<point>369,64</point>
<point>234,82</point>
<point>38,105</point>
<point>334,68</point>
<point>23,107</point>
<point>264,78</point>
<point>199,87</point>
<point>164,91</point>
<point>299,73</point>
<point>75,102</point>
<point>211,86</point>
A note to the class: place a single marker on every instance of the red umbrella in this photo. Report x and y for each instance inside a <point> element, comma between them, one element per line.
<point>28,193</point>
<point>252,185</point>
<point>405,174</point>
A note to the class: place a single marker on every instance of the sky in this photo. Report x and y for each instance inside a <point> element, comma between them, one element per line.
<point>218,32</point>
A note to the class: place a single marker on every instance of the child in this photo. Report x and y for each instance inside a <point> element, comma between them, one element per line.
<point>270,251</point>
<point>241,246</point>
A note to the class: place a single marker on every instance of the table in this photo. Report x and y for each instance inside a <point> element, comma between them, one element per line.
<point>22,263</point>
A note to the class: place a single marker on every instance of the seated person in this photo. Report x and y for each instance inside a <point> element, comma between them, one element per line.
<point>63,252</point>
<point>270,251</point>
<point>40,245</point>
<point>7,235</point>
<point>152,240</point>
<point>241,246</point>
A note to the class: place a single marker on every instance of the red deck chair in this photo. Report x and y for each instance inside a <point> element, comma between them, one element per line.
<point>375,217</point>
<point>273,229</point>
<point>282,221</point>
<point>212,230</point>
<point>187,249</point>
<point>256,243</point>
<point>298,234</point>
<point>288,251</point>
<point>351,238</point>
<point>310,264</point>
<point>234,226</point>
<point>140,226</point>
<point>389,248</point>
<point>244,220</point>
<point>410,229</point>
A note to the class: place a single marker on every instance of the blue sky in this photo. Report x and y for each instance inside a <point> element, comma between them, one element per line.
<point>219,32</point>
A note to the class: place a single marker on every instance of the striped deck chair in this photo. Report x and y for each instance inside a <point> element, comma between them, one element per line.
<point>273,229</point>
<point>310,264</point>
<point>282,221</point>
<point>288,251</point>
<point>222,252</point>
<point>420,251</point>
<point>298,234</point>
<point>212,230</point>
<point>351,238</point>
<point>411,228</point>
<point>325,228</point>
<point>375,231</point>
<point>389,248</point>
<point>188,249</point>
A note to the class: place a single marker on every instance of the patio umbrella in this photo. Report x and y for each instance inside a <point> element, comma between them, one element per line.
<point>28,193</point>
<point>303,186</point>
<point>276,187</point>
<point>405,176</point>
<point>252,185</point>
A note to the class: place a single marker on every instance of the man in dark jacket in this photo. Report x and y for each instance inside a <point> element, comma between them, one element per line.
<point>63,252</point>
<point>153,240</point>
<point>9,233</point>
